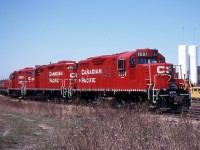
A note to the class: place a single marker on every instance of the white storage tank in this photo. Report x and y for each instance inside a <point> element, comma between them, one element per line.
<point>193,63</point>
<point>183,61</point>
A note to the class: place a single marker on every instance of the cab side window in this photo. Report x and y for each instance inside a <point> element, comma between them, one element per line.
<point>132,62</point>
<point>142,60</point>
<point>122,64</point>
<point>37,72</point>
<point>162,60</point>
<point>32,74</point>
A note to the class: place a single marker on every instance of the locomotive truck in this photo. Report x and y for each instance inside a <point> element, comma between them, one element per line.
<point>129,76</point>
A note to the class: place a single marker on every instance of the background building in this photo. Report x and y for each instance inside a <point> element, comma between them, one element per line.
<point>198,71</point>
<point>188,60</point>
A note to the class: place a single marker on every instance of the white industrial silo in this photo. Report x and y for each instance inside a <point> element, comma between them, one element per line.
<point>183,61</point>
<point>193,63</point>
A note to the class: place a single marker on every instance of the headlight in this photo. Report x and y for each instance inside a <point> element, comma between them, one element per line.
<point>173,86</point>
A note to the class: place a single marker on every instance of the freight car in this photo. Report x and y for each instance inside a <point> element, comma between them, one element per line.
<point>127,77</point>
<point>195,92</point>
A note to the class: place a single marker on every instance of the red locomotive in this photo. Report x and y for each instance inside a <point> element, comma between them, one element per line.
<point>21,82</point>
<point>55,81</point>
<point>141,74</point>
<point>129,76</point>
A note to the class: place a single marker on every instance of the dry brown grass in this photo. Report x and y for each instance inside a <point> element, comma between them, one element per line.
<point>81,128</point>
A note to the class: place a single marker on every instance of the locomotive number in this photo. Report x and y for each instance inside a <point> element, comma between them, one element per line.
<point>21,77</point>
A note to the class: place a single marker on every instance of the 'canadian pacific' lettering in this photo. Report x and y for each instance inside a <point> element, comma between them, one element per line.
<point>87,80</point>
<point>59,73</point>
<point>56,80</point>
<point>91,71</point>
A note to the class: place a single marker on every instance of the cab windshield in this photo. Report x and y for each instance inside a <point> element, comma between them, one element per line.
<point>147,60</point>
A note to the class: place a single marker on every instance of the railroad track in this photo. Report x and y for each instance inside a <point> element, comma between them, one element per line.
<point>194,108</point>
<point>193,112</point>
